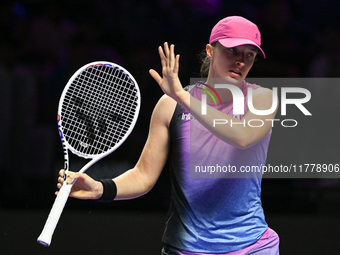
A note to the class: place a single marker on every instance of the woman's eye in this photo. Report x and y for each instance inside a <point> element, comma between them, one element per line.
<point>232,49</point>
<point>251,55</point>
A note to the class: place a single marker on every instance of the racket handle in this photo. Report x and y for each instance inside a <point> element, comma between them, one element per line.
<point>53,218</point>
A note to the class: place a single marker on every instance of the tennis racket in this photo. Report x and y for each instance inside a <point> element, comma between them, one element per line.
<point>97,111</point>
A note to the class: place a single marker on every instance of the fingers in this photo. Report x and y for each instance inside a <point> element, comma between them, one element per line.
<point>167,53</point>
<point>156,76</point>
<point>176,66</point>
<point>167,56</point>
<point>172,56</point>
<point>162,56</point>
<point>71,176</point>
<point>61,173</point>
<point>61,182</point>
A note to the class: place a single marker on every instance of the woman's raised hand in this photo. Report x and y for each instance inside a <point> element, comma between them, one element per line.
<point>169,83</point>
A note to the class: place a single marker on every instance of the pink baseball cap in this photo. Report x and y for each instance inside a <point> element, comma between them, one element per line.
<point>235,31</point>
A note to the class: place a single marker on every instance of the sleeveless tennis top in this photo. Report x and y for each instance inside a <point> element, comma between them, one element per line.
<point>212,213</point>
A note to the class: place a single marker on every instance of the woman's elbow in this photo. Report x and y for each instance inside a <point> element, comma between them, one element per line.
<point>244,142</point>
<point>147,182</point>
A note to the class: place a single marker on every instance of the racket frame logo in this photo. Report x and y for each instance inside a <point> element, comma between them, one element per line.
<point>99,64</point>
<point>63,145</point>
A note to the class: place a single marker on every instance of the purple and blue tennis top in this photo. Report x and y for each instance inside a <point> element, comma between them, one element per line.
<point>213,212</point>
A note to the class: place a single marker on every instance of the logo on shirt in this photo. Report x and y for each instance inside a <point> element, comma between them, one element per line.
<point>187,116</point>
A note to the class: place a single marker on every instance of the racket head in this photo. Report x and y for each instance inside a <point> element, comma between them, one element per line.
<point>98,109</point>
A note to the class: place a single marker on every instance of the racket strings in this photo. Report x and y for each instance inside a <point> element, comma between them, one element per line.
<point>98,109</point>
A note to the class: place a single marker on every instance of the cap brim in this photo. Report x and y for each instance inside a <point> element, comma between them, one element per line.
<point>234,42</point>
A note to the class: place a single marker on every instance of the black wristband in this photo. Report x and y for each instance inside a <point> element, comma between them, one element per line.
<point>109,190</point>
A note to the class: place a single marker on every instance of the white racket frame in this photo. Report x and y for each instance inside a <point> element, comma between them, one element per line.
<point>46,235</point>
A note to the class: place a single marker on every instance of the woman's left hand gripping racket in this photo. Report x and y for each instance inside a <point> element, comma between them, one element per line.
<point>97,111</point>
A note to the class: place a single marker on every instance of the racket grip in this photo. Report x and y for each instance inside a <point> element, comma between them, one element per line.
<point>53,218</point>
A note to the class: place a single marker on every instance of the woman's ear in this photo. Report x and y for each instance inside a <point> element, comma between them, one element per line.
<point>209,49</point>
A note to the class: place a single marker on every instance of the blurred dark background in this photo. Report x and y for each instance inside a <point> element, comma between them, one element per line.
<point>42,43</point>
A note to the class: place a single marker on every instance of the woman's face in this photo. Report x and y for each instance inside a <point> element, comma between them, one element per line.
<point>232,63</point>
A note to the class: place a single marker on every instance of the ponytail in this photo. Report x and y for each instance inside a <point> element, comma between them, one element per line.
<point>204,71</point>
<point>205,67</point>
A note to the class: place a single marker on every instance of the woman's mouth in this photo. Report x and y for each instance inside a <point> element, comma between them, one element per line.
<point>235,73</point>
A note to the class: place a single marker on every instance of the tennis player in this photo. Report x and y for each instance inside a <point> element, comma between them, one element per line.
<point>215,215</point>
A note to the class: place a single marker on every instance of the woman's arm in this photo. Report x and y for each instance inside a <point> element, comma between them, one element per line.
<point>237,135</point>
<point>234,131</point>
<point>144,175</point>
<point>140,179</point>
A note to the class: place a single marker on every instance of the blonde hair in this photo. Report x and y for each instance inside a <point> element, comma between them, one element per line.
<point>204,71</point>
